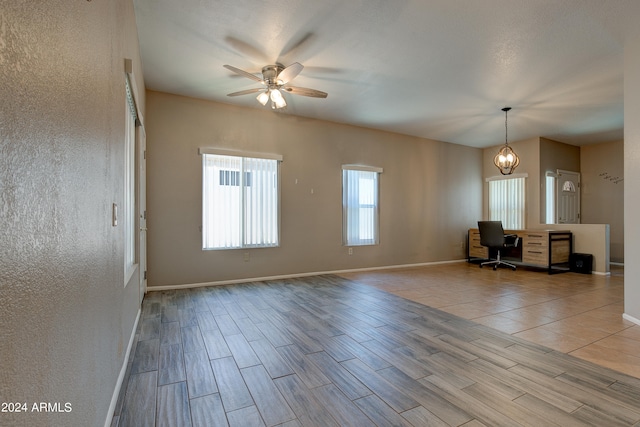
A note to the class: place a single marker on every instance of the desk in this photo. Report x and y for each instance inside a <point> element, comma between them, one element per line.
<point>537,248</point>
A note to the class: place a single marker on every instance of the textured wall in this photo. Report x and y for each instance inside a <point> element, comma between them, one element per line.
<point>555,155</point>
<point>632,175</point>
<point>602,198</point>
<point>430,192</point>
<point>66,315</point>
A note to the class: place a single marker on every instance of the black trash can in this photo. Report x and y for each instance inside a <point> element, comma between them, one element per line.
<point>581,263</point>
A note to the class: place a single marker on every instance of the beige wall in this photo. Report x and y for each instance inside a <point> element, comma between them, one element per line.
<point>632,175</point>
<point>602,187</point>
<point>555,155</point>
<point>602,170</point>
<point>66,315</point>
<point>430,193</point>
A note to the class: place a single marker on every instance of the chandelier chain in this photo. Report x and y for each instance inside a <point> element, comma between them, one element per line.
<point>506,129</point>
<point>506,111</point>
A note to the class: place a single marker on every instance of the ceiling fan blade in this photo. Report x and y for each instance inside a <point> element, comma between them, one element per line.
<point>305,92</point>
<point>290,72</point>
<point>246,92</point>
<point>242,73</point>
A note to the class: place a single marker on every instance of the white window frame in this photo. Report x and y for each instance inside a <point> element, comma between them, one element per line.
<point>266,221</point>
<point>507,208</point>
<point>129,196</point>
<point>360,228</point>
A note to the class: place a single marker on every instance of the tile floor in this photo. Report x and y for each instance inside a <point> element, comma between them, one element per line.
<point>577,314</point>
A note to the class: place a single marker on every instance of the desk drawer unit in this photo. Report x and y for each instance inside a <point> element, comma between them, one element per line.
<point>476,250</point>
<point>535,248</point>
<point>539,248</point>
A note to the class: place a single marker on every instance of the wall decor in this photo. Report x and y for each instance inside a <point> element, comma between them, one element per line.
<point>608,177</point>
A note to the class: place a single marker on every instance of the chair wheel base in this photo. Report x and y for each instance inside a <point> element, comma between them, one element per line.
<point>495,264</point>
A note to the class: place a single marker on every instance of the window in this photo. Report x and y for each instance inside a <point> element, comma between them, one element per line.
<point>129,211</point>
<point>240,200</point>
<point>507,201</point>
<point>233,178</point>
<point>550,198</point>
<point>360,205</point>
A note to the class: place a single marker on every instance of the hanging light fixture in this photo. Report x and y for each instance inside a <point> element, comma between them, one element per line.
<point>273,94</point>
<point>263,97</point>
<point>506,160</point>
<point>277,100</point>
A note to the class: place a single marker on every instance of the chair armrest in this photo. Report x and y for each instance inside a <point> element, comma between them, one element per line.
<point>511,239</point>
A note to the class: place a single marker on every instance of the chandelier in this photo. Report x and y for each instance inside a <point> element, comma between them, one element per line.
<point>506,160</point>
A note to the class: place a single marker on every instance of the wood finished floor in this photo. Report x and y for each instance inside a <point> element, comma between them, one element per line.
<point>331,351</point>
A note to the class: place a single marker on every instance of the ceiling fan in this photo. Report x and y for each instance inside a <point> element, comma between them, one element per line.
<point>275,79</point>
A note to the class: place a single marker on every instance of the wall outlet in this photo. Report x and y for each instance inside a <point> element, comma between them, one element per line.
<point>350,251</point>
<point>246,257</point>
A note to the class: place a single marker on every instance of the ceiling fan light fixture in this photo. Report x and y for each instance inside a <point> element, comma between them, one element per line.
<point>274,78</point>
<point>276,95</point>
<point>277,100</point>
<point>506,160</point>
<point>263,98</point>
<point>280,104</point>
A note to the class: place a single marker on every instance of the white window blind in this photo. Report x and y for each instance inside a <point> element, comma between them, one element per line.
<point>240,202</point>
<point>360,205</point>
<point>507,202</point>
<point>550,198</point>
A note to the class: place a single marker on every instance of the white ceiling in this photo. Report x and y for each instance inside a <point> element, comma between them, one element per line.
<point>438,69</point>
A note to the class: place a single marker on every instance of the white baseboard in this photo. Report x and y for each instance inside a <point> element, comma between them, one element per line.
<point>123,370</point>
<point>625,316</point>
<point>291,276</point>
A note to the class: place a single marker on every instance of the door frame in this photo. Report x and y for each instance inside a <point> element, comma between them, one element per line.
<point>141,178</point>
<point>142,208</point>
<point>559,173</point>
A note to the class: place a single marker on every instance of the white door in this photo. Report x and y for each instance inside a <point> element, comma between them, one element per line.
<point>568,197</point>
<point>142,208</point>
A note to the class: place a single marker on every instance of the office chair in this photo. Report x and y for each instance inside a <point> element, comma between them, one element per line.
<point>492,236</point>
